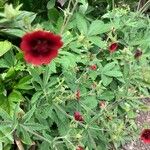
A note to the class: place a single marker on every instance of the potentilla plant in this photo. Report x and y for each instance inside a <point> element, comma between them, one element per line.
<point>74,83</point>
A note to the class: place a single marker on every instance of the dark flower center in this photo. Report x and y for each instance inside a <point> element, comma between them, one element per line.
<point>41,46</point>
<point>146,134</point>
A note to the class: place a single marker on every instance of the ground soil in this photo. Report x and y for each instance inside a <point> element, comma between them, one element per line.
<point>142,119</point>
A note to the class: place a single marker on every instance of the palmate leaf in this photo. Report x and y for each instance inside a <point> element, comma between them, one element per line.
<point>114,73</point>
<point>81,24</point>
<point>44,146</point>
<point>98,41</point>
<point>25,137</point>
<point>48,70</point>
<point>5,115</point>
<point>112,70</point>
<point>90,101</point>
<point>36,96</point>
<point>4,103</point>
<point>36,76</point>
<point>35,126</point>
<point>15,96</point>
<point>24,83</point>
<point>109,67</point>
<point>8,106</point>
<point>14,32</point>
<point>3,63</point>
<point>98,27</point>
<point>107,95</point>
<point>106,80</point>
<point>29,114</point>
<point>68,60</point>
<point>5,46</point>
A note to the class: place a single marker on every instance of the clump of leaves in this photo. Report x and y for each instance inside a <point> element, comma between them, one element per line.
<point>85,98</point>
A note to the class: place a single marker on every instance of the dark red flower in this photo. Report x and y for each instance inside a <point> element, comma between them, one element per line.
<point>78,116</point>
<point>93,67</point>
<point>79,148</point>
<point>137,54</point>
<point>78,95</point>
<point>113,47</point>
<point>145,136</point>
<point>40,47</point>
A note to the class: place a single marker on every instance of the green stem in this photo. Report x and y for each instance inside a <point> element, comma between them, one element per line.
<point>145,7</point>
<point>66,20</point>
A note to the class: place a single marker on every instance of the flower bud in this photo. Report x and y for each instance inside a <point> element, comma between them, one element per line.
<point>113,47</point>
<point>80,148</point>
<point>78,116</point>
<point>145,136</point>
<point>102,104</point>
<point>78,95</point>
<point>93,67</point>
<point>137,54</point>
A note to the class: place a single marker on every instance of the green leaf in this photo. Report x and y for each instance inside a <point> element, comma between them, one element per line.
<point>98,42</point>
<point>5,46</point>
<point>108,67</point>
<point>108,95</point>
<point>95,27</point>
<point>106,80</point>
<point>131,114</point>
<point>3,63</point>
<point>25,137</point>
<point>15,96</point>
<point>29,114</point>
<point>68,61</point>
<point>4,103</point>
<point>4,126</point>
<point>50,68</point>
<point>24,83</point>
<point>51,4</point>
<point>44,146</point>
<point>36,76</point>
<point>10,58</point>
<point>114,73</point>
<point>83,8</point>
<point>25,18</point>
<point>5,115</point>
<point>10,73</point>
<point>90,102</point>
<point>15,32</point>
<point>36,97</point>
<point>7,133</point>
<point>35,126</point>
<point>93,74</point>
<point>98,27</point>
<point>81,24</point>
<point>53,15</point>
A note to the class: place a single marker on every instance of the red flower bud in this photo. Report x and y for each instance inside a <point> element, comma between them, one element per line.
<point>93,67</point>
<point>137,54</point>
<point>80,148</point>
<point>145,136</point>
<point>102,104</point>
<point>78,95</point>
<point>78,116</point>
<point>113,47</point>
